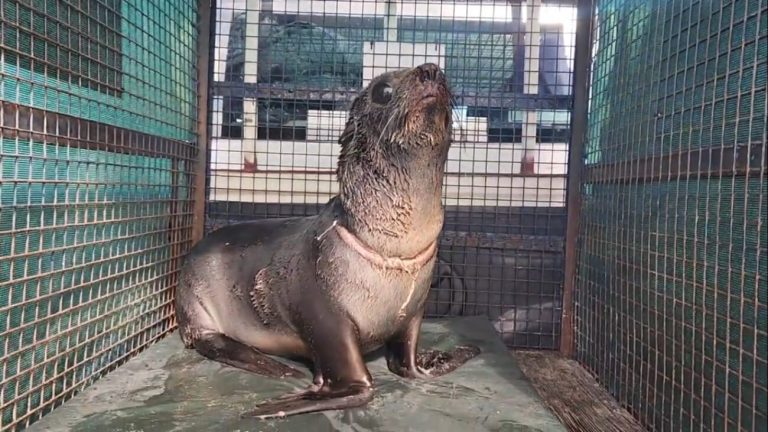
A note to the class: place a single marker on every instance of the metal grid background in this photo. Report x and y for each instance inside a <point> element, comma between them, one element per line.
<point>285,71</point>
<point>98,120</point>
<point>671,296</point>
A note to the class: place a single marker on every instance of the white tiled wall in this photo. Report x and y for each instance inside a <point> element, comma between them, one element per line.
<point>325,125</point>
<point>303,171</point>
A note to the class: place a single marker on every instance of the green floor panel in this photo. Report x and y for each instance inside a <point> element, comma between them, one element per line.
<point>168,388</point>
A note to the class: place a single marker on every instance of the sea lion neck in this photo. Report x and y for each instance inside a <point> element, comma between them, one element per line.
<point>393,202</point>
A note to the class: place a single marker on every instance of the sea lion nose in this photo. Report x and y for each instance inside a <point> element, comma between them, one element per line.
<point>428,72</point>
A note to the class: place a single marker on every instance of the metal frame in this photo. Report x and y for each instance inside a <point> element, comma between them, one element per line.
<point>21,121</point>
<point>711,162</point>
<point>100,207</point>
<point>582,61</point>
<point>204,77</point>
<point>284,169</point>
<point>669,287</point>
<point>341,96</point>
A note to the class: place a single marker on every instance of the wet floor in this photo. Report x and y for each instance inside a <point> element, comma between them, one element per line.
<point>168,388</point>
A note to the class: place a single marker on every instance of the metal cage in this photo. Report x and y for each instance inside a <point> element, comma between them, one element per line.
<point>286,71</point>
<point>98,113</point>
<point>671,298</point>
<point>604,194</point>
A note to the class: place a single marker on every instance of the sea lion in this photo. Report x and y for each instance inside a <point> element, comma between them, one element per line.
<point>335,286</point>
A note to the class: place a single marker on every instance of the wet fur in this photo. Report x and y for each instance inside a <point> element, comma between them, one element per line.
<point>294,288</point>
<point>391,168</point>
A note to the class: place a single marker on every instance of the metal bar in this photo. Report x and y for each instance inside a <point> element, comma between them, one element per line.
<point>204,76</point>
<point>535,243</point>
<point>28,123</point>
<point>254,169</point>
<point>116,362</point>
<point>488,77</point>
<point>713,162</point>
<point>343,96</point>
<point>175,222</point>
<point>514,26</point>
<point>581,74</point>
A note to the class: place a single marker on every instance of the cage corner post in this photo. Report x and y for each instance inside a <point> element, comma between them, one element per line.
<point>581,77</point>
<point>204,73</point>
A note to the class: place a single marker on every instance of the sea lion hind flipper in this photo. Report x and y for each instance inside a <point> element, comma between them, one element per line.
<point>436,363</point>
<point>222,348</point>
<point>404,359</point>
<point>432,363</point>
<point>351,396</point>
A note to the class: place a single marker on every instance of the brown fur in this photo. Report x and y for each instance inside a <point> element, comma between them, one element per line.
<point>391,165</point>
<point>304,288</point>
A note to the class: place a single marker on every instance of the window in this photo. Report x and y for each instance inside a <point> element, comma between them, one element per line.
<point>312,61</point>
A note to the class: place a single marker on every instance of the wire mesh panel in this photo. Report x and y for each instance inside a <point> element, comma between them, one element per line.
<point>672,299</point>
<point>98,114</point>
<point>285,74</point>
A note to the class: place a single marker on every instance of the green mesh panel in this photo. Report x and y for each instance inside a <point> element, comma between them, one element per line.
<point>91,228</point>
<point>57,50</point>
<point>671,295</point>
<point>671,76</point>
<point>157,55</point>
<point>94,266</point>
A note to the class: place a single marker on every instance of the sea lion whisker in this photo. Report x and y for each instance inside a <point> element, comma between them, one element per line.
<point>384,129</point>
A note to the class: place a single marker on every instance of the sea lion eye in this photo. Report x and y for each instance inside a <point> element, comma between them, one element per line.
<point>381,93</point>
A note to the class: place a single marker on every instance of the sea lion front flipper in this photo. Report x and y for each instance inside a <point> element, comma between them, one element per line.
<point>404,359</point>
<point>341,378</point>
<point>324,399</point>
<point>222,348</point>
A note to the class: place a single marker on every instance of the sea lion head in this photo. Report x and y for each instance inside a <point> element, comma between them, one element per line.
<point>393,153</point>
<point>401,110</point>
